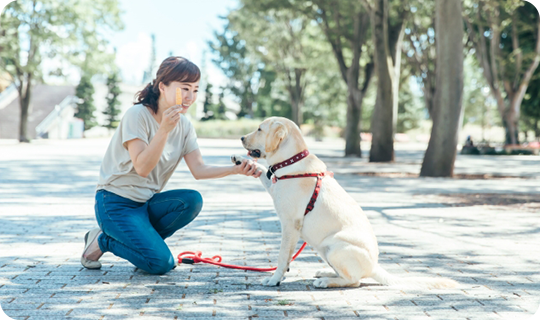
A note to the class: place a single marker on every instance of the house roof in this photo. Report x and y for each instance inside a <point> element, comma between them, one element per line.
<point>44,99</point>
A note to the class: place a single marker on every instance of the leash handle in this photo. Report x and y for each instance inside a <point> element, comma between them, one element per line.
<point>190,257</point>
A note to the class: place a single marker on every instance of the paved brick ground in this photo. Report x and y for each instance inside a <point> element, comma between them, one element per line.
<point>46,206</point>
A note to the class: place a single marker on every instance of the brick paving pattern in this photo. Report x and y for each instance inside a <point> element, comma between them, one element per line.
<point>46,207</point>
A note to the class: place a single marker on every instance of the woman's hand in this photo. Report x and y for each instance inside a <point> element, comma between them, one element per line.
<point>170,118</point>
<point>248,168</point>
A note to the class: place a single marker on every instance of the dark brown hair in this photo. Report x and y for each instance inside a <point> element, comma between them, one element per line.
<point>171,69</point>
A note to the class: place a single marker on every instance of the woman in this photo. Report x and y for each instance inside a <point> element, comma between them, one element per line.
<point>134,216</point>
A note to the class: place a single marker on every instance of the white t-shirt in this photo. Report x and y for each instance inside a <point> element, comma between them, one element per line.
<point>117,173</point>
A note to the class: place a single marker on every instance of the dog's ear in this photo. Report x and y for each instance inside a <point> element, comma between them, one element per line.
<point>278,132</point>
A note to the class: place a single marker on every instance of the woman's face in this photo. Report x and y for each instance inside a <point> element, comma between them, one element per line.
<point>189,93</point>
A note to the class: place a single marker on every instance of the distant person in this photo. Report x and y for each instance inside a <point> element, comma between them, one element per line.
<point>134,216</point>
<point>469,142</point>
<point>469,147</point>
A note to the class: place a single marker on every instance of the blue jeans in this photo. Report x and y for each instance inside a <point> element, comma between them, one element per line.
<point>136,231</point>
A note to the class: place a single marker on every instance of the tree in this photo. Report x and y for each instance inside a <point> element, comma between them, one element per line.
<point>387,40</point>
<point>221,108</point>
<point>506,38</point>
<point>34,30</point>
<point>208,104</point>
<point>85,106</point>
<point>419,47</point>
<point>112,111</point>
<point>279,38</point>
<point>345,25</point>
<point>441,152</point>
<point>410,109</point>
<point>239,65</point>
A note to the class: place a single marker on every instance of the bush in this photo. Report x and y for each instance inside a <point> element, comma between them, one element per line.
<point>227,129</point>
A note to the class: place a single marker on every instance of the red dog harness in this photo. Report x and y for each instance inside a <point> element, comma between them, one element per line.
<point>319,177</point>
<point>294,159</point>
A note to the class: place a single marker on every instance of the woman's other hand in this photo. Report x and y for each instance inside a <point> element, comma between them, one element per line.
<point>248,168</point>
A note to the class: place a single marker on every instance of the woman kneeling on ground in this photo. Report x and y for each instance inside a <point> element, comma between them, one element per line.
<point>134,216</point>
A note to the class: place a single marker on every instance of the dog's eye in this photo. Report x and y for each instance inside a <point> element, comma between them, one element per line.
<point>259,129</point>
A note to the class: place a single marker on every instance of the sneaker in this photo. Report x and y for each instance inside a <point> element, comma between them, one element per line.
<point>88,239</point>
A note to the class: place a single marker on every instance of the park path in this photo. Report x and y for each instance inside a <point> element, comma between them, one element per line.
<point>484,233</point>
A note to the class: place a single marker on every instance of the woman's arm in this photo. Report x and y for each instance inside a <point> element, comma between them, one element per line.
<point>200,170</point>
<point>145,157</point>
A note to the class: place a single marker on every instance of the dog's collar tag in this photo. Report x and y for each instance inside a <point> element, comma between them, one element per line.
<point>269,173</point>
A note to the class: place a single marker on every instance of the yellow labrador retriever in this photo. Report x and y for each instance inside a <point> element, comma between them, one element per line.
<point>336,226</point>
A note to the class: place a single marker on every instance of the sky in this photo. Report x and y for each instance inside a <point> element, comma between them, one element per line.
<point>181,27</point>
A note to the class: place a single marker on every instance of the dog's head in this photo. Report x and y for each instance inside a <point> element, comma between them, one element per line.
<point>267,139</point>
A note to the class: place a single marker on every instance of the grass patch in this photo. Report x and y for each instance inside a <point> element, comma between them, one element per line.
<point>215,291</point>
<point>285,303</point>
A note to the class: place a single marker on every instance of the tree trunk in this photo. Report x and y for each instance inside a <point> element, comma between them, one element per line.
<point>25,94</point>
<point>387,41</point>
<point>428,100</point>
<point>296,89</point>
<point>441,152</point>
<point>354,112</point>
<point>511,121</point>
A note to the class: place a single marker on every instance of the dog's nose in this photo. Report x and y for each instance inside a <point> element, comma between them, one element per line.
<point>242,138</point>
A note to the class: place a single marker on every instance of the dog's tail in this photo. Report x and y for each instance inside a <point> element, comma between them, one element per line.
<point>382,276</point>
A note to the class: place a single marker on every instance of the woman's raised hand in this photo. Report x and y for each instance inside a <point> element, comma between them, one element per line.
<point>170,118</point>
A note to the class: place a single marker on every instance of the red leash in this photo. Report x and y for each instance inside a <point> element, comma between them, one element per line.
<point>191,257</point>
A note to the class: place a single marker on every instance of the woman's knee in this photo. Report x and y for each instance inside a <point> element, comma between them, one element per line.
<point>160,265</point>
<point>195,202</point>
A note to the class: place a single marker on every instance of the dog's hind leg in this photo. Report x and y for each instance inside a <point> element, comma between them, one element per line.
<point>351,263</point>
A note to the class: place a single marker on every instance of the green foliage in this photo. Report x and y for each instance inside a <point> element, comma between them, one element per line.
<point>208,105</point>
<point>278,44</point>
<point>57,28</point>
<point>112,111</point>
<point>410,110</point>
<point>85,108</point>
<point>211,110</point>
<point>242,70</point>
<point>225,129</point>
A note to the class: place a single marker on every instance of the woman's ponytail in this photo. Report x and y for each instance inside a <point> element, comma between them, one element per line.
<point>148,96</point>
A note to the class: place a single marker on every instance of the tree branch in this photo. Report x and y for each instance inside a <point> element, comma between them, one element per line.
<point>530,70</point>
<point>367,5</point>
<point>516,49</point>
<point>336,46</point>
<point>494,45</point>
<point>481,49</point>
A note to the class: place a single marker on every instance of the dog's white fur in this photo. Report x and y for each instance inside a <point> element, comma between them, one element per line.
<point>337,227</point>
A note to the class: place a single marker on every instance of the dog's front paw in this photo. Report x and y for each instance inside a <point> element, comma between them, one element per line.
<point>236,159</point>
<point>271,281</point>
<point>326,274</point>
<point>321,283</point>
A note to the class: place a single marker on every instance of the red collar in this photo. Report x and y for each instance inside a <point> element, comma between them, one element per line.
<point>272,169</point>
